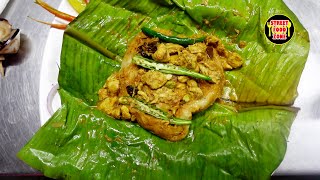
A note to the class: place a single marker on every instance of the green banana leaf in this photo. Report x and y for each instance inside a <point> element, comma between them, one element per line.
<point>80,142</point>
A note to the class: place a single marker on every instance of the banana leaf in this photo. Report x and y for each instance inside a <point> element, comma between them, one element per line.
<point>80,142</point>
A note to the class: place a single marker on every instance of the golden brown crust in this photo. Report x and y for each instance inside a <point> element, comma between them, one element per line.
<point>160,127</point>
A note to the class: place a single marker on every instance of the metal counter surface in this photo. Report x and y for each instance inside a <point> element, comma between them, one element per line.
<point>19,90</point>
<point>19,102</point>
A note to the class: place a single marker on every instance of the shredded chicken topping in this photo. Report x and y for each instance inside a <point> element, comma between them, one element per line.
<point>179,96</point>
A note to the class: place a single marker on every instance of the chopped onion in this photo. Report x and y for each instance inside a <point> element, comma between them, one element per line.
<point>50,97</point>
<point>9,41</point>
<point>11,45</point>
<point>5,29</point>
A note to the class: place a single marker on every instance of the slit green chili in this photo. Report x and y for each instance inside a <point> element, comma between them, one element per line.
<point>171,39</point>
<point>167,68</point>
<point>155,112</point>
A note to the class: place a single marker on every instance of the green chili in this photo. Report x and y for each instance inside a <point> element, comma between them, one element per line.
<point>167,68</point>
<point>171,39</point>
<point>153,111</point>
